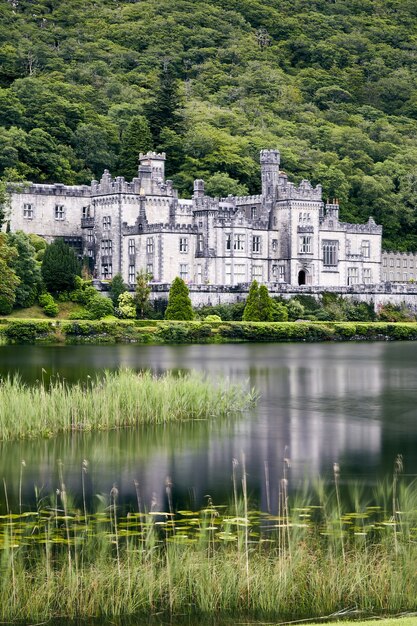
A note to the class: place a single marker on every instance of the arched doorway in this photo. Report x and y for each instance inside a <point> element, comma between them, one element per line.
<point>301,277</point>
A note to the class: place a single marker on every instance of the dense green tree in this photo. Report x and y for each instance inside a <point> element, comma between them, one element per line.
<point>163,111</point>
<point>142,292</point>
<point>265,305</point>
<point>126,305</point>
<point>136,138</point>
<point>99,306</point>
<point>9,281</point>
<point>60,266</point>
<point>279,312</point>
<point>220,185</point>
<point>179,303</point>
<point>116,287</point>
<point>251,312</point>
<point>27,269</point>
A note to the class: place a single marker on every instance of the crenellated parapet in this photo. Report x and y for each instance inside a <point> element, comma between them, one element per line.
<point>108,185</point>
<point>57,189</point>
<point>370,227</point>
<point>244,200</point>
<point>205,203</point>
<point>140,229</point>
<point>304,191</point>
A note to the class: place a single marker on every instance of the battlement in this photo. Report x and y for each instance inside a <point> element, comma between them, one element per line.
<point>269,157</point>
<point>205,203</point>
<point>58,189</point>
<point>370,227</point>
<point>152,156</point>
<point>240,200</point>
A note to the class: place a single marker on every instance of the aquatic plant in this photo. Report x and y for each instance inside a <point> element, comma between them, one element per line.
<point>115,400</point>
<point>314,558</point>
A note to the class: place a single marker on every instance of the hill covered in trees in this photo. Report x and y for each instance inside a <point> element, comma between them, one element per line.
<point>333,84</point>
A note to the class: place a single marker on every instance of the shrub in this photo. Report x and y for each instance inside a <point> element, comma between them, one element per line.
<point>251,312</point>
<point>179,303</point>
<point>213,318</point>
<point>127,306</point>
<point>99,307</point>
<point>279,312</point>
<point>295,310</point>
<point>393,313</point>
<point>19,331</point>
<point>60,266</point>
<point>48,304</point>
<point>117,287</point>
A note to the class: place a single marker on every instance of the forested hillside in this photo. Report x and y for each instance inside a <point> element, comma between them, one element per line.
<point>331,83</point>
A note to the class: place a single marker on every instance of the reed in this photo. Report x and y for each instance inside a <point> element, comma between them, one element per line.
<point>115,400</point>
<point>58,561</point>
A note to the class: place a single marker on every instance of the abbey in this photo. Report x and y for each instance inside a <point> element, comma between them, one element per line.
<point>287,234</point>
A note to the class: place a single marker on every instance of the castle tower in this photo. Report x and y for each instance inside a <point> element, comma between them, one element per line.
<point>270,160</point>
<point>199,188</point>
<point>151,171</point>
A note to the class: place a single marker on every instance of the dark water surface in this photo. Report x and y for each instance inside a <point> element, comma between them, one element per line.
<point>320,403</point>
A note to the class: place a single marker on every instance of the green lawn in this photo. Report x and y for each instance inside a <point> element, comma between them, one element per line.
<point>36,312</point>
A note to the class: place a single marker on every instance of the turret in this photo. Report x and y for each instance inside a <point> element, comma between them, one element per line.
<point>198,188</point>
<point>151,170</point>
<point>270,160</point>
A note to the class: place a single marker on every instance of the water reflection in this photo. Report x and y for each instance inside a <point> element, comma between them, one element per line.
<point>351,403</point>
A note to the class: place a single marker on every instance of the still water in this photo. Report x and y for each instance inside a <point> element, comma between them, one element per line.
<point>355,404</point>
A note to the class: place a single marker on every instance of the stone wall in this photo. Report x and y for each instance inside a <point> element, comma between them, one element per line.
<point>378,295</point>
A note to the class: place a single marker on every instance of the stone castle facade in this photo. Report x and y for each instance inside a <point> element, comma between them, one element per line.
<point>286,235</point>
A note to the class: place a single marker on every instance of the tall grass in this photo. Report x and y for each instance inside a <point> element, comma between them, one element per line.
<point>62,562</point>
<point>116,400</point>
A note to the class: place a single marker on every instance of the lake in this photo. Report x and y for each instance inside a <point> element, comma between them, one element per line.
<point>351,403</point>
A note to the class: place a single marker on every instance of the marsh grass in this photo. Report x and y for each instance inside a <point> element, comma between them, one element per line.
<point>60,561</point>
<point>115,400</point>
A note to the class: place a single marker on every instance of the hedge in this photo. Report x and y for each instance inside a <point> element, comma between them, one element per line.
<point>162,332</point>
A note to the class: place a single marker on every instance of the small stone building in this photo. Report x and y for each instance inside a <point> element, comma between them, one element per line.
<point>399,267</point>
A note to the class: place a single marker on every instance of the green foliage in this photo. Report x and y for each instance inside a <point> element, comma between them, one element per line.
<point>251,312</point>
<point>9,281</point>
<point>393,313</point>
<point>116,287</point>
<point>227,312</point>
<point>60,267</point>
<point>27,269</point>
<point>179,303</point>
<point>295,310</point>
<point>142,293</point>
<point>265,305</point>
<point>279,312</point>
<point>213,318</point>
<point>127,306</point>
<point>83,291</point>
<point>21,331</point>
<point>220,185</point>
<point>99,306</point>
<point>135,139</point>
<point>48,304</point>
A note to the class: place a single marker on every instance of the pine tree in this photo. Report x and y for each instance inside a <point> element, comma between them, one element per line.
<point>252,312</point>
<point>162,112</point>
<point>116,288</point>
<point>265,305</point>
<point>179,303</point>
<point>142,292</point>
<point>136,138</point>
<point>60,266</point>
